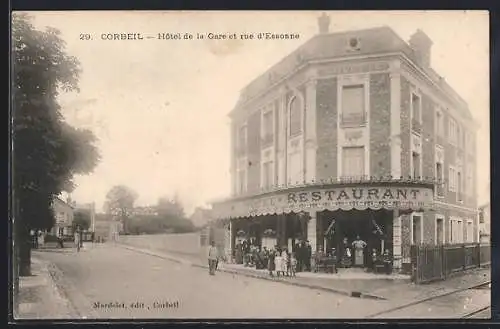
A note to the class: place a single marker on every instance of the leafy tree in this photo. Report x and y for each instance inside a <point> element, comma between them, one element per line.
<point>120,204</point>
<point>47,152</point>
<point>170,208</point>
<point>81,218</point>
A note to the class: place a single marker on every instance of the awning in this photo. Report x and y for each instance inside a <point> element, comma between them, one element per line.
<point>392,195</point>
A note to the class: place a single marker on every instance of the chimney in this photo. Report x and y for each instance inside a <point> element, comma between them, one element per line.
<point>421,45</point>
<point>324,23</point>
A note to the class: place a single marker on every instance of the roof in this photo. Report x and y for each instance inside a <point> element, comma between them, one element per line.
<point>378,40</point>
<point>58,199</point>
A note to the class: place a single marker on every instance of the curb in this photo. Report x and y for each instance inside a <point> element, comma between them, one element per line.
<point>53,286</point>
<point>355,294</point>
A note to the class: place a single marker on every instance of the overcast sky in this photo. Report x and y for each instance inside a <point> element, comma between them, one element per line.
<point>159,107</point>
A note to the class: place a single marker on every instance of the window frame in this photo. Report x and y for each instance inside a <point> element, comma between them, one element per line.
<point>300,115</point>
<point>416,93</point>
<point>351,81</point>
<point>439,125</point>
<point>239,147</point>
<point>438,217</point>
<point>362,148</point>
<point>268,110</point>
<point>452,179</point>
<point>421,216</point>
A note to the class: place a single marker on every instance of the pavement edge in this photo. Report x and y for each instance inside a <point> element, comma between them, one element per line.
<point>354,294</point>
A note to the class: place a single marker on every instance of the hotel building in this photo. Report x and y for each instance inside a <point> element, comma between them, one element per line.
<point>353,133</point>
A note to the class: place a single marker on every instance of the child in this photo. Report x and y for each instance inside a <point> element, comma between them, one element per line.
<point>277,263</point>
<point>293,265</point>
<point>284,262</point>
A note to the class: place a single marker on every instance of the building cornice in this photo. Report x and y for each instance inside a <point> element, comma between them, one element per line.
<point>450,205</point>
<point>283,83</point>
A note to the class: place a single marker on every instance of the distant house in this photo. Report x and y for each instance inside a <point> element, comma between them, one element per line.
<point>484,223</point>
<point>146,210</point>
<point>64,214</point>
<point>202,216</point>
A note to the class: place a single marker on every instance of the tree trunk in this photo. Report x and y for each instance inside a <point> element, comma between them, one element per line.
<point>24,243</point>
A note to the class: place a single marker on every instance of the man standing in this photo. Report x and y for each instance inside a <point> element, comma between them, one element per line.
<point>308,253</point>
<point>212,258</point>
<point>77,238</point>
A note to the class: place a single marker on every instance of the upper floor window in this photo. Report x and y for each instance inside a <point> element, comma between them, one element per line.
<point>481,216</point>
<point>452,131</point>
<point>267,174</point>
<point>353,162</point>
<point>295,117</point>
<point>353,104</point>
<point>469,144</point>
<point>452,179</point>
<point>439,120</point>
<point>416,164</point>
<point>416,107</point>
<point>242,139</point>
<point>469,182</point>
<point>267,127</point>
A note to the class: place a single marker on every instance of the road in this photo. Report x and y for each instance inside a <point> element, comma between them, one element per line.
<point>164,289</point>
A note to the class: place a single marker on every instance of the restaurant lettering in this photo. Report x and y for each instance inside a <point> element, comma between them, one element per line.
<point>319,199</point>
<point>370,194</point>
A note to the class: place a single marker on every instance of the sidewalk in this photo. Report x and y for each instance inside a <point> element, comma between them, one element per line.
<point>39,297</point>
<point>396,288</point>
<point>354,285</point>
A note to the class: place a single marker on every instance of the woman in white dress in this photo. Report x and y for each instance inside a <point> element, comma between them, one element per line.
<point>278,262</point>
<point>359,246</point>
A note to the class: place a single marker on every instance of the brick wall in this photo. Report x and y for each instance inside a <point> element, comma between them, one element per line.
<point>380,121</point>
<point>428,137</point>
<point>326,127</point>
<point>405,127</point>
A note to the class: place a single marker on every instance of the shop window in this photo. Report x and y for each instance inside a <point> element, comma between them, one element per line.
<point>353,159</point>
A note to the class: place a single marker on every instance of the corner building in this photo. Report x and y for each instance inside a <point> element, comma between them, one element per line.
<point>351,134</point>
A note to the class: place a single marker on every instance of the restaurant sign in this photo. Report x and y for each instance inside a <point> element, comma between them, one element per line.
<point>319,199</point>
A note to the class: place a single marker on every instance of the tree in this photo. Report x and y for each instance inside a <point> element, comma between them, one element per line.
<point>120,203</point>
<point>46,151</point>
<point>81,218</point>
<point>170,208</point>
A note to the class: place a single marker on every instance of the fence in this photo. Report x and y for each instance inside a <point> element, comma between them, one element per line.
<point>432,263</point>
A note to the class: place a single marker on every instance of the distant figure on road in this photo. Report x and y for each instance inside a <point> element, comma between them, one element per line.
<point>77,239</point>
<point>212,258</point>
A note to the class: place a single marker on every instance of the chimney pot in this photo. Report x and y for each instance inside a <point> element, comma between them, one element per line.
<point>421,45</point>
<point>324,23</point>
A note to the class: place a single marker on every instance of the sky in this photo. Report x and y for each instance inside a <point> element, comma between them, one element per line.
<point>159,107</point>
